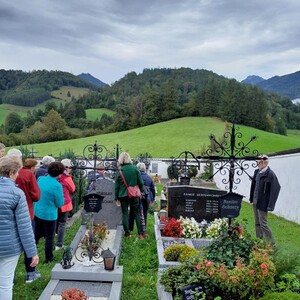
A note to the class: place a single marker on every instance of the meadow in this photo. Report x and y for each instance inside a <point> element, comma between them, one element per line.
<point>169,139</point>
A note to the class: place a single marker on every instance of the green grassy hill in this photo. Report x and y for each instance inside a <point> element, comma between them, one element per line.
<point>93,113</point>
<point>167,139</point>
<point>58,96</point>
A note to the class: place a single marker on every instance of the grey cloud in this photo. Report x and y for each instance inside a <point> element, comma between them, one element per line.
<point>132,35</point>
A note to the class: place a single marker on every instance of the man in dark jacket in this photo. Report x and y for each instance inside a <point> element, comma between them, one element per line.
<point>263,194</point>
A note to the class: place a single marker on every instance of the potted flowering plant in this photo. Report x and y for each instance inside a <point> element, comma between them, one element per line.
<point>73,294</point>
<point>99,234</point>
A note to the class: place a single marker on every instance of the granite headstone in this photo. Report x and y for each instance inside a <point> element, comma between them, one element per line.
<point>192,201</point>
<point>110,213</point>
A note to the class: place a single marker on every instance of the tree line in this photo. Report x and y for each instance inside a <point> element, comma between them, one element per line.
<point>158,95</point>
<point>154,96</point>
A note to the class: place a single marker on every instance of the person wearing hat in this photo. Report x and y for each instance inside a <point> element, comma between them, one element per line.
<point>263,195</point>
<point>68,189</point>
<point>43,169</point>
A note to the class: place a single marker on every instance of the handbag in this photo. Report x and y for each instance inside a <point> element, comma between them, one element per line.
<point>132,191</point>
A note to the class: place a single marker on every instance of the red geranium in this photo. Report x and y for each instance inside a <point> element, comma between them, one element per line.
<point>172,228</point>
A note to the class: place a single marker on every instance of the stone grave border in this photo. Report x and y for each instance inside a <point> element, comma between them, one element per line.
<point>92,273</point>
<point>162,263</point>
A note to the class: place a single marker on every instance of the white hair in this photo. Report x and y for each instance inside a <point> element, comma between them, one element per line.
<point>14,152</point>
<point>141,166</point>
<point>47,160</point>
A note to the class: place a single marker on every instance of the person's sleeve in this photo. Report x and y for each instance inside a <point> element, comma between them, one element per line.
<point>275,189</point>
<point>152,190</point>
<point>140,180</point>
<point>69,183</point>
<point>59,195</point>
<point>34,190</point>
<point>117,186</point>
<point>24,226</point>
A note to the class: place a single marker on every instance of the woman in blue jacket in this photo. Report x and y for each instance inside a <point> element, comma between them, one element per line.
<point>46,209</point>
<point>16,234</point>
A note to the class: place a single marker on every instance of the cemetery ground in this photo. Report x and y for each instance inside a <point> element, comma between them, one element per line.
<point>139,258</point>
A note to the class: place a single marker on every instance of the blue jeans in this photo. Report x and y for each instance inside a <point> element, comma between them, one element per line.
<point>7,266</point>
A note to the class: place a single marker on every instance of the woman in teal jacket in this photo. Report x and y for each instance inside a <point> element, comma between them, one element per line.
<point>46,209</point>
<point>133,177</point>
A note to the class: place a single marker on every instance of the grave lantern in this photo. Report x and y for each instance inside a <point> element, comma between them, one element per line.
<point>163,215</point>
<point>109,259</point>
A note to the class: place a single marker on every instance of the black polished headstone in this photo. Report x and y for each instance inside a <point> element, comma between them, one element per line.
<point>192,201</point>
<point>230,205</point>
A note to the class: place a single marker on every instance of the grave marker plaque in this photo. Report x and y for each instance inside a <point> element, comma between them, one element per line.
<point>191,201</point>
<point>92,203</point>
<point>230,205</point>
<point>188,291</point>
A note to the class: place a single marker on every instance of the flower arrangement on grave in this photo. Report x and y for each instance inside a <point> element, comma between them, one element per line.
<point>100,232</point>
<point>240,277</point>
<point>73,294</point>
<point>190,228</point>
<point>172,228</point>
<point>216,228</point>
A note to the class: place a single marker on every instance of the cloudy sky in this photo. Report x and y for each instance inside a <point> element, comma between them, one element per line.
<point>109,38</point>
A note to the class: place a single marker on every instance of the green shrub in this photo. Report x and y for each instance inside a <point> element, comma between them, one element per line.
<point>179,252</point>
<point>187,253</point>
<point>173,252</point>
<point>281,296</point>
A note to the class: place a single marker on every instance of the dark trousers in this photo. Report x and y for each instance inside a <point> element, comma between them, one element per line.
<point>27,260</point>
<point>61,227</point>
<point>145,205</point>
<point>46,229</point>
<point>134,205</point>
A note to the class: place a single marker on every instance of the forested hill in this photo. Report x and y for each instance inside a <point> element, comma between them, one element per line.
<point>158,95</point>
<point>32,88</point>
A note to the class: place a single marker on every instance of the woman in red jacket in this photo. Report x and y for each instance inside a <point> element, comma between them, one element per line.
<point>26,181</point>
<point>68,188</point>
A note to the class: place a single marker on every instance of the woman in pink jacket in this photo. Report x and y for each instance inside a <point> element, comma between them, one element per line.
<point>68,188</point>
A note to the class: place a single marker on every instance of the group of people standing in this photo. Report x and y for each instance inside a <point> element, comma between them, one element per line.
<point>34,203</point>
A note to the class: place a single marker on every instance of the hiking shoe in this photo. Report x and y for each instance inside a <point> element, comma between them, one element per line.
<point>32,277</point>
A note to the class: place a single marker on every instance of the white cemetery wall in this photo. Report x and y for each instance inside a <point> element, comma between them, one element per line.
<point>287,168</point>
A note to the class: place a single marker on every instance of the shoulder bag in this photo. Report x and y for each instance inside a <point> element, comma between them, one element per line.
<point>132,191</point>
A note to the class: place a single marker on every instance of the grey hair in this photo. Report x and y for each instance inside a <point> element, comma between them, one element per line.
<point>14,152</point>
<point>141,166</point>
<point>124,158</point>
<point>47,160</point>
<point>2,146</point>
<point>10,165</point>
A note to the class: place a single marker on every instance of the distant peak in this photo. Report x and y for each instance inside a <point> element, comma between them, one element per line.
<point>253,79</point>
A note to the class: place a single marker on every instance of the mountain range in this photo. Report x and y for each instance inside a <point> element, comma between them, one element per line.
<point>286,85</point>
